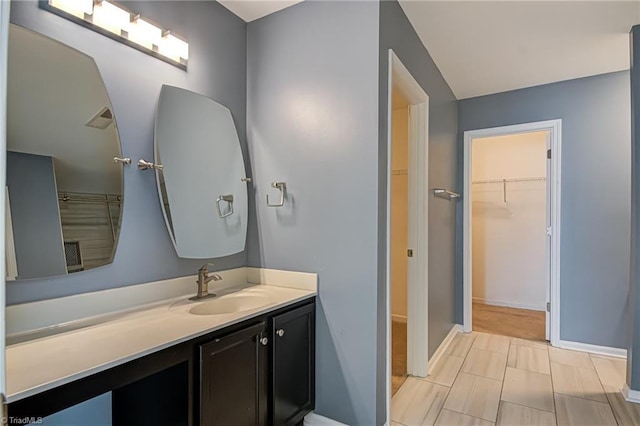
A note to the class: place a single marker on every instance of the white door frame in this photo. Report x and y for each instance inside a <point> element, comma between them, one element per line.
<point>553,182</point>
<point>4,45</point>
<point>417,285</point>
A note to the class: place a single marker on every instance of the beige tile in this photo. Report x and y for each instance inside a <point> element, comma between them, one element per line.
<point>627,413</point>
<point>485,363</point>
<point>492,342</point>
<point>449,418</point>
<point>460,345</point>
<point>513,414</point>
<point>612,371</point>
<point>577,411</point>
<point>563,356</point>
<point>446,370</point>
<point>396,383</point>
<point>529,343</point>
<point>529,358</point>
<point>528,388</point>
<point>576,381</point>
<point>475,396</point>
<point>418,402</point>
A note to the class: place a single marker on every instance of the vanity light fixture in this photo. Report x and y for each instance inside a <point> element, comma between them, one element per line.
<point>119,23</point>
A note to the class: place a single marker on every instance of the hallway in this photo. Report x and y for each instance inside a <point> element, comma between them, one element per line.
<point>485,379</point>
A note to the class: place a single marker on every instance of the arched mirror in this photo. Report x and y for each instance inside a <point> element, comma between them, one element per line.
<point>202,183</point>
<point>64,192</point>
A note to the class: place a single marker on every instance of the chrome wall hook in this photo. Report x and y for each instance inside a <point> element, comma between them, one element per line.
<point>122,160</point>
<point>144,165</point>
<point>282,186</point>
<point>446,194</point>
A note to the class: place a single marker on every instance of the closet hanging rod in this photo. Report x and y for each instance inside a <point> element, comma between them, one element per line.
<point>530,179</point>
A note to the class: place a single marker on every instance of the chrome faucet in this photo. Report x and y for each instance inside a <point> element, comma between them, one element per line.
<point>203,282</point>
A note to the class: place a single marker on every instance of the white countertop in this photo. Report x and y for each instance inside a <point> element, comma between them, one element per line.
<point>39,365</point>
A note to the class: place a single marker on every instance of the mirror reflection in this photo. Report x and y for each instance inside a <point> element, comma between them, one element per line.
<point>64,192</point>
<point>202,185</point>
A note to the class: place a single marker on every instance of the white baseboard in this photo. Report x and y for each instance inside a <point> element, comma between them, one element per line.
<point>313,419</point>
<point>437,355</point>
<point>630,395</point>
<point>399,318</point>
<point>594,349</point>
<point>509,304</point>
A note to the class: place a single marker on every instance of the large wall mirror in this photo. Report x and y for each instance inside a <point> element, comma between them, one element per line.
<point>202,184</point>
<point>64,192</point>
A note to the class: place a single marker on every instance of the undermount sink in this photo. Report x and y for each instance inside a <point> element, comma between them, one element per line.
<point>230,304</point>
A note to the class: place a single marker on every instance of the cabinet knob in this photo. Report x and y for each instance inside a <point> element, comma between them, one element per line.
<point>280,332</point>
<point>264,341</point>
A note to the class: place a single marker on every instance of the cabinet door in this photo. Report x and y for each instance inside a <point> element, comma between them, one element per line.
<point>293,364</point>
<point>233,379</point>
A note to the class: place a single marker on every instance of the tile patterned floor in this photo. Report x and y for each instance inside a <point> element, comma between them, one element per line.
<point>486,379</point>
<point>510,322</point>
<point>398,355</point>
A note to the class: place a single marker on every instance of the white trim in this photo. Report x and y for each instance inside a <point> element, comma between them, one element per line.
<point>417,286</point>
<point>9,243</point>
<point>630,395</point>
<point>437,355</point>
<point>387,278</point>
<point>555,127</point>
<point>4,46</point>
<point>399,318</point>
<point>418,238</point>
<point>516,305</point>
<point>592,349</point>
<point>313,419</point>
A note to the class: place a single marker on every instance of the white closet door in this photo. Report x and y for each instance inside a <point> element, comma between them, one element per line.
<point>4,42</point>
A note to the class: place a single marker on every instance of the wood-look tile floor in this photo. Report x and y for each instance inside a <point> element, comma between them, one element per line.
<point>484,379</point>
<point>398,355</point>
<point>511,322</point>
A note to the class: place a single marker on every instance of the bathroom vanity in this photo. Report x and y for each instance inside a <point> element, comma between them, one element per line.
<point>245,357</point>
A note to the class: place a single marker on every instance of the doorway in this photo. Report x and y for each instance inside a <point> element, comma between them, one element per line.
<point>511,230</point>
<point>407,227</point>
<point>399,196</point>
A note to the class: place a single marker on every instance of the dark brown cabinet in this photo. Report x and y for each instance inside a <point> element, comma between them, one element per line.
<point>292,393</point>
<point>258,372</point>
<point>234,378</point>
<point>259,377</point>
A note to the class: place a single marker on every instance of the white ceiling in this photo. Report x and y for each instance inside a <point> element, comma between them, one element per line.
<point>250,10</point>
<point>483,47</point>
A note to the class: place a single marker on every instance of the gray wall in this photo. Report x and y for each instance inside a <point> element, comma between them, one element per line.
<point>397,33</point>
<point>35,217</point>
<point>313,123</point>
<point>633,342</point>
<point>594,275</point>
<point>94,412</point>
<point>217,69</point>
